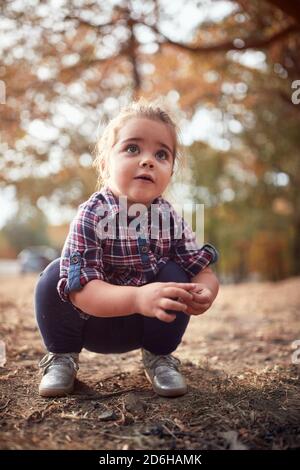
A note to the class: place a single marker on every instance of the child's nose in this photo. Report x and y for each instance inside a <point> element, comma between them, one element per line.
<point>147,162</point>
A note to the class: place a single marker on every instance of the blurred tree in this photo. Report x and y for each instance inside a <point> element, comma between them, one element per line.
<point>6,250</point>
<point>27,228</point>
<point>67,66</point>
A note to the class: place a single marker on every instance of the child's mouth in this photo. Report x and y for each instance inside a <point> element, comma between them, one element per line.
<point>145,178</point>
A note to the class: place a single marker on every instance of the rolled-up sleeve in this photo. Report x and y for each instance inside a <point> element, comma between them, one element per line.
<point>82,254</point>
<point>188,253</point>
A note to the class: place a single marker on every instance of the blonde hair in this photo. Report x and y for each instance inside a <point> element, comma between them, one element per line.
<point>154,110</point>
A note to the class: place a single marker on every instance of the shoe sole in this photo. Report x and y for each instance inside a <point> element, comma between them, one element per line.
<point>55,392</point>
<point>165,393</point>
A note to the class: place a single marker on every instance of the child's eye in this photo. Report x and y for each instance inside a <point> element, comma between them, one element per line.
<point>132,148</point>
<point>162,155</point>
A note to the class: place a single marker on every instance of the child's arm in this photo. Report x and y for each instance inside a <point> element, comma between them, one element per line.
<point>205,292</point>
<point>208,279</point>
<point>101,299</point>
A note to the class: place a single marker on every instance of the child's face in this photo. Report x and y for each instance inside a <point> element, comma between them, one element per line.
<point>142,146</point>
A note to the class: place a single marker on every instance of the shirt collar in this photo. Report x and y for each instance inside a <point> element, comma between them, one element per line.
<point>113,201</point>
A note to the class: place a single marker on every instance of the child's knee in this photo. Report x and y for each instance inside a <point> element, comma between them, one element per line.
<point>49,277</point>
<point>172,272</point>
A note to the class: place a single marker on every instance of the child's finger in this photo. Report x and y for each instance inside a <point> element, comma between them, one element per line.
<point>163,316</point>
<point>190,312</point>
<point>183,285</point>
<point>194,305</point>
<point>174,292</point>
<point>197,311</point>
<point>200,298</point>
<point>168,304</point>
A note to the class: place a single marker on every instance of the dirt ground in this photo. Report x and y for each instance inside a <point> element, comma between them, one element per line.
<point>237,358</point>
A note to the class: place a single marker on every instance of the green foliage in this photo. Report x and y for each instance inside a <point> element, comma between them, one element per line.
<point>27,228</point>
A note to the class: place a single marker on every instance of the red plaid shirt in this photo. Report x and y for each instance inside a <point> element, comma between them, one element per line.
<point>125,261</point>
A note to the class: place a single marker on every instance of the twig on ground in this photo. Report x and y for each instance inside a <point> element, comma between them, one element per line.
<point>5,405</point>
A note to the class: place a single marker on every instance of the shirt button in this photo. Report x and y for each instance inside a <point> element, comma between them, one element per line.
<point>144,249</point>
<point>75,259</point>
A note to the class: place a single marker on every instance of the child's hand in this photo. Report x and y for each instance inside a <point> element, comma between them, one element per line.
<point>154,299</point>
<point>201,301</point>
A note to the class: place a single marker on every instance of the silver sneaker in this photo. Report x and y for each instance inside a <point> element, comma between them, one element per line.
<point>163,373</point>
<point>59,372</point>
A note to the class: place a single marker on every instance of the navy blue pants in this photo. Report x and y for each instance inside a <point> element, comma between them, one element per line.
<point>63,330</point>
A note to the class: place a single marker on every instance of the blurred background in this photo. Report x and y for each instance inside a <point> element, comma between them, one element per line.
<point>229,69</point>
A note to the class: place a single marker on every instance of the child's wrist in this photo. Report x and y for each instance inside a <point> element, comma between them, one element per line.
<point>135,300</point>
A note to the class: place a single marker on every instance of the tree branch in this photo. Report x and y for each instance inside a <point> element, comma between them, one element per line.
<point>249,43</point>
<point>289,7</point>
<point>87,23</point>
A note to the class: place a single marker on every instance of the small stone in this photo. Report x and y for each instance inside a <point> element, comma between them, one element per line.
<point>214,358</point>
<point>108,415</point>
<point>134,405</point>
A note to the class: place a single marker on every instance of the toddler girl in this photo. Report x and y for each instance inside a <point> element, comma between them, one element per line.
<point>131,273</point>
